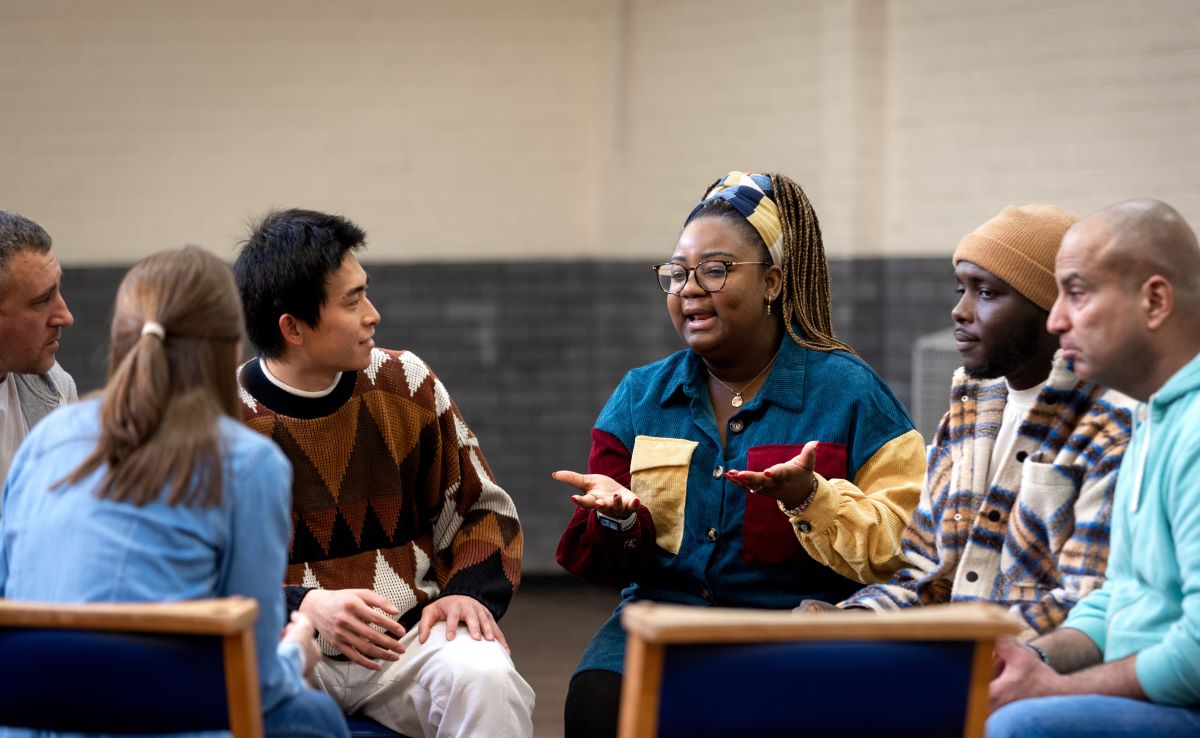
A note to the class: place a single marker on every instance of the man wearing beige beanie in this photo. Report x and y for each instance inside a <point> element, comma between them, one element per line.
<point>1017,500</point>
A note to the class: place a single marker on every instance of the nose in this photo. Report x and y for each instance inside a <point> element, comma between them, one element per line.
<point>692,285</point>
<point>961,312</point>
<point>61,317</point>
<point>1056,321</point>
<point>371,317</point>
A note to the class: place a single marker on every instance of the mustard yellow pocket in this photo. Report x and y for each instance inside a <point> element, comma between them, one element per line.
<point>659,475</point>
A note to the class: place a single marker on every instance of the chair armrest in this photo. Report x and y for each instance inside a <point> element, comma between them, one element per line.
<point>222,616</point>
<point>658,623</point>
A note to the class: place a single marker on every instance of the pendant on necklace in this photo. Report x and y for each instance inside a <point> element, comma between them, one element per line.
<point>737,400</point>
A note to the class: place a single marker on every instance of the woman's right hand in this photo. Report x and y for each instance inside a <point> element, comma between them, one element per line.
<point>600,493</point>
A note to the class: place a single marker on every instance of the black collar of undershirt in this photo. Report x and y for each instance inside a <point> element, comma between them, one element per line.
<point>282,402</point>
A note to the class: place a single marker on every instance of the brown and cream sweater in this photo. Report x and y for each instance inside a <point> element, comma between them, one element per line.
<point>391,491</point>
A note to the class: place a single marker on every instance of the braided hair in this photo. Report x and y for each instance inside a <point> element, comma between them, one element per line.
<point>805,301</point>
<point>805,304</point>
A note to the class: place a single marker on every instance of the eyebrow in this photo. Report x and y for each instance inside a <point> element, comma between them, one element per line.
<point>358,289</point>
<point>991,280</point>
<point>47,294</point>
<point>707,256</point>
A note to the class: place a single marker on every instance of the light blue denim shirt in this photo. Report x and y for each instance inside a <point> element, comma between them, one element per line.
<point>68,545</point>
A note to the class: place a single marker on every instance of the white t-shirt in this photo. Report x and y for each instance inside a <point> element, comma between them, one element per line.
<point>1015,408</point>
<point>298,392</point>
<point>12,424</point>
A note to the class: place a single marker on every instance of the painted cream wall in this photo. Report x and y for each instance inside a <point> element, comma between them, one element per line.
<point>707,87</point>
<point>462,129</point>
<point>1076,102</point>
<point>784,86</point>
<point>535,129</point>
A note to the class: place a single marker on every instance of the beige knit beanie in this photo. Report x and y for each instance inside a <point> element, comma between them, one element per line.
<point>1019,246</point>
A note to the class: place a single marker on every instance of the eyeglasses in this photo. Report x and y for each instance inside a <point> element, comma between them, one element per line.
<point>710,275</point>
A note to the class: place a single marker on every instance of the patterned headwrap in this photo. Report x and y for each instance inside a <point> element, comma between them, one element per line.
<point>750,195</point>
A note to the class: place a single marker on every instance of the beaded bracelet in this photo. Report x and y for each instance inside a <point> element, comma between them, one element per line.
<point>792,512</point>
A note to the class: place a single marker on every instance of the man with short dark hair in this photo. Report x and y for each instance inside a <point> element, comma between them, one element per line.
<point>1016,504</point>
<point>1126,662</point>
<point>32,316</point>
<point>398,521</point>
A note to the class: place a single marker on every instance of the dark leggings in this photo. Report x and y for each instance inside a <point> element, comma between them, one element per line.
<point>593,702</point>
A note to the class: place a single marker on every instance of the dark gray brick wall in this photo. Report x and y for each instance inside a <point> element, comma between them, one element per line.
<point>882,305</point>
<point>530,351</point>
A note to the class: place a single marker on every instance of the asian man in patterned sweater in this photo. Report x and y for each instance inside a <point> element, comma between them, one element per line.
<point>1017,502</point>
<point>405,551</point>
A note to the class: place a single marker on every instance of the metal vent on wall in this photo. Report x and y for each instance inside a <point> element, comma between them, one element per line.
<point>934,359</point>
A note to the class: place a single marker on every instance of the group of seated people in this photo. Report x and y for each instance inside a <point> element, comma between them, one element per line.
<point>765,465</point>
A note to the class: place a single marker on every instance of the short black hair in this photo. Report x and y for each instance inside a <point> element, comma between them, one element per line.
<point>283,269</point>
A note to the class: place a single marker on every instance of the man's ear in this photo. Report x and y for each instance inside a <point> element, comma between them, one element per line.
<point>1157,299</point>
<point>290,328</point>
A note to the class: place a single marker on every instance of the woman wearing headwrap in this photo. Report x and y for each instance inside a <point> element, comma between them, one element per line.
<point>762,465</point>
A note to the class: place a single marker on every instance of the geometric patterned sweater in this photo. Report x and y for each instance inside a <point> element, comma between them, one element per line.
<point>391,492</point>
<point>1031,535</point>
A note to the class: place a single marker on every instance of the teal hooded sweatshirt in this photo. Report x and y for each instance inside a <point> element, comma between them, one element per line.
<point>1150,605</point>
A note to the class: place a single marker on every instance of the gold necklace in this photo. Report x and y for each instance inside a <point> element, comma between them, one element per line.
<point>737,394</point>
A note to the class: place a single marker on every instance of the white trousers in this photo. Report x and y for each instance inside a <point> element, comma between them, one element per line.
<point>448,689</point>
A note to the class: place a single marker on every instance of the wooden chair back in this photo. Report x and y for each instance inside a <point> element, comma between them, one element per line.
<point>692,671</point>
<point>130,667</point>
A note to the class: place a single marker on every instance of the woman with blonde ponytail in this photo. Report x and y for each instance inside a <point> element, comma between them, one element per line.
<point>155,492</point>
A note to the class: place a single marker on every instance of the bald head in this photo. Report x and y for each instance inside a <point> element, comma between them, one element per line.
<point>1144,237</point>
<point>1128,308</point>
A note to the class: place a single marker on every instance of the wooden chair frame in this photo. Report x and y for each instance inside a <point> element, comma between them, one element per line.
<point>652,627</point>
<point>231,618</point>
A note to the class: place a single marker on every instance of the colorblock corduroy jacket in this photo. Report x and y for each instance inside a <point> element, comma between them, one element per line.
<point>1031,535</point>
<point>701,540</point>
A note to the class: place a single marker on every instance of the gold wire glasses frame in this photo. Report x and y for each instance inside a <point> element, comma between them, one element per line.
<point>710,275</point>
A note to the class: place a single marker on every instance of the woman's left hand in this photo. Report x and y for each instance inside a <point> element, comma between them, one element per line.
<point>790,482</point>
<point>300,629</point>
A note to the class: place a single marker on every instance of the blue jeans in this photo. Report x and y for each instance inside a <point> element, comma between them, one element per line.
<point>1092,716</point>
<point>309,714</point>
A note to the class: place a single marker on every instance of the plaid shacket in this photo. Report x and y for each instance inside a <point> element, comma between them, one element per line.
<point>1031,535</point>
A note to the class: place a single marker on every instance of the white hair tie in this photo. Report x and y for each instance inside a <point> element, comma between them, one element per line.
<point>154,328</point>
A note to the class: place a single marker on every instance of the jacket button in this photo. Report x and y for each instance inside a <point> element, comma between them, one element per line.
<point>736,426</point>
<point>712,534</point>
<point>957,516</point>
<point>706,593</point>
<point>972,576</point>
<point>994,516</point>
<point>1022,455</point>
<point>718,472</point>
<point>804,526</point>
<point>964,398</point>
